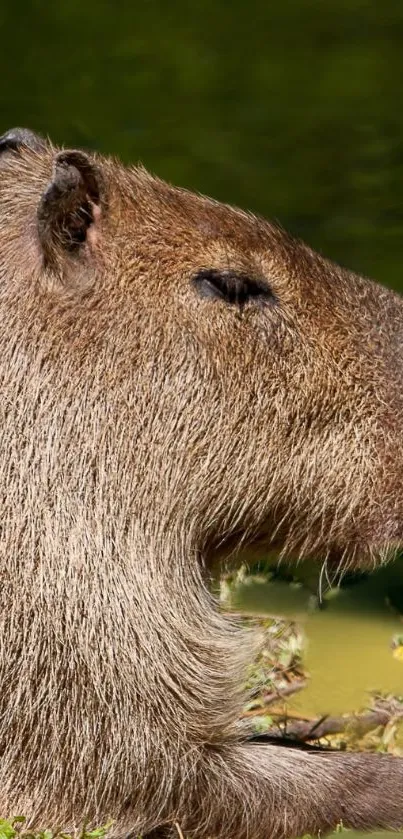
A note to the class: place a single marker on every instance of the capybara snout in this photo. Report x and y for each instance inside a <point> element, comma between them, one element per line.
<point>278,374</point>
<point>178,378</point>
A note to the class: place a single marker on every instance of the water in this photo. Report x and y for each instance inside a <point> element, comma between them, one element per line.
<point>349,644</point>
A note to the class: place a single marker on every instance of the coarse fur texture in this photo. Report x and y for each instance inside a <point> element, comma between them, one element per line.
<point>178,379</point>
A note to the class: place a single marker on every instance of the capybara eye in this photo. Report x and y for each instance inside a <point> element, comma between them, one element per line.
<point>233,287</point>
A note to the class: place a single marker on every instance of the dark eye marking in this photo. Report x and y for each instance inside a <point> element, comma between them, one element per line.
<point>232,287</point>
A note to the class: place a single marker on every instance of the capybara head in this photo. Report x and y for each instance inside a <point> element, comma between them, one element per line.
<point>257,386</point>
<point>178,379</point>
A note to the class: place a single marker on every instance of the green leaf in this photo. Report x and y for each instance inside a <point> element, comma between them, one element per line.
<point>7,830</point>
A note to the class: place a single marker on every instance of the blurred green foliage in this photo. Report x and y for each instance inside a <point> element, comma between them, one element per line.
<point>293,110</point>
<point>15,828</point>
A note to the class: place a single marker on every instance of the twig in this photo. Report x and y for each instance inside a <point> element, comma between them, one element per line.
<point>294,686</point>
<point>305,730</point>
<point>274,696</point>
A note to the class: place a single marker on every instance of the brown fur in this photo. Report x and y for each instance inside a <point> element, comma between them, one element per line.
<point>144,430</point>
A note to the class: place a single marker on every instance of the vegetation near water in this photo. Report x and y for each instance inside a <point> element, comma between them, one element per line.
<point>16,829</point>
<point>351,642</point>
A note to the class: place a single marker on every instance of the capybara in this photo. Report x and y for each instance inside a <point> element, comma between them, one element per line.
<point>179,379</point>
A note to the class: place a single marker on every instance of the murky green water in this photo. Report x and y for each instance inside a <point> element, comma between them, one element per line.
<point>349,650</point>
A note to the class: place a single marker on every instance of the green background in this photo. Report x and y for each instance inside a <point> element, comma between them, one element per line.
<point>290,108</point>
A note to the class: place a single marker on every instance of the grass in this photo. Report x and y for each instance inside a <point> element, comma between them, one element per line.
<point>16,829</point>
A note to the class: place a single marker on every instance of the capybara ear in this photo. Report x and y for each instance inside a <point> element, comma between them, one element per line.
<point>70,206</point>
<point>17,138</point>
